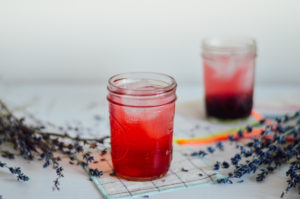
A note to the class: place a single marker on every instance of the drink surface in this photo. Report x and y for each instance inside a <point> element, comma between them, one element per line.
<point>141,140</point>
<point>229,83</point>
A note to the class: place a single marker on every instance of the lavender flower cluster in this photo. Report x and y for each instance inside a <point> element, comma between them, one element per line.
<point>278,144</point>
<point>32,142</point>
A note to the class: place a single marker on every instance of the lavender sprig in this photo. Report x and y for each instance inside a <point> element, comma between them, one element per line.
<point>15,171</point>
<point>261,156</point>
<point>264,155</point>
<point>31,142</point>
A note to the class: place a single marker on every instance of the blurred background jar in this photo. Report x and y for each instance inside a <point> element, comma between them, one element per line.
<point>229,70</point>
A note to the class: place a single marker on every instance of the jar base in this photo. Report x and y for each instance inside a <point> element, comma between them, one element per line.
<point>227,120</point>
<point>129,178</point>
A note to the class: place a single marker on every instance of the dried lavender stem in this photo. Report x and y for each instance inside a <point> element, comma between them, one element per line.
<point>31,142</point>
<point>72,138</point>
<point>5,107</point>
<point>52,133</point>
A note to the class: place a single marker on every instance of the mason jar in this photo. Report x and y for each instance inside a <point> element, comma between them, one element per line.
<point>141,108</point>
<point>229,70</point>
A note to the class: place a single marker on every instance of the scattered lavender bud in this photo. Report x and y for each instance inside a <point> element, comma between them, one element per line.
<point>202,153</point>
<point>224,181</point>
<point>240,133</point>
<point>262,121</point>
<point>210,149</point>
<point>231,138</point>
<point>194,154</point>
<point>103,152</point>
<point>2,164</point>
<point>280,128</point>
<point>220,146</point>
<point>249,129</point>
<point>278,120</point>
<point>286,118</point>
<point>225,165</point>
<point>217,165</point>
<point>95,172</point>
<point>295,132</point>
<point>184,170</point>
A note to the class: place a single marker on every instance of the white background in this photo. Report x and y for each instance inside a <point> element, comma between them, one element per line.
<point>90,40</point>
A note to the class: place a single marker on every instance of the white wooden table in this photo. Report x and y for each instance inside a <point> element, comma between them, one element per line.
<point>64,100</point>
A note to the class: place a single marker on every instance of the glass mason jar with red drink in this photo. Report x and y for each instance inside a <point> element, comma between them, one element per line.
<point>141,107</point>
<point>229,66</point>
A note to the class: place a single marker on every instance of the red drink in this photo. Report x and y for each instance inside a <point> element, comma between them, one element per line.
<point>141,122</point>
<point>141,145</point>
<point>229,78</point>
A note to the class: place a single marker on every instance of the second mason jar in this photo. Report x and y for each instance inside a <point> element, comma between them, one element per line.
<point>229,65</point>
<point>141,107</point>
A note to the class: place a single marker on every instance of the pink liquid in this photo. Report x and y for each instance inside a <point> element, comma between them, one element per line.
<point>141,140</point>
<point>229,91</point>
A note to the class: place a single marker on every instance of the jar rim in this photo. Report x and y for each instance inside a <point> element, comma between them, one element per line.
<point>229,45</point>
<point>169,81</point>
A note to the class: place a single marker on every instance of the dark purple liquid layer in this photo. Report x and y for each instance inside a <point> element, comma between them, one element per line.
<point>229,106</point>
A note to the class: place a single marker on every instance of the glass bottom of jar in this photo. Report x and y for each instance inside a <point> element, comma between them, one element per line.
<point>229,106</point>
<point>226,120</point>
<point>130,178</point>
